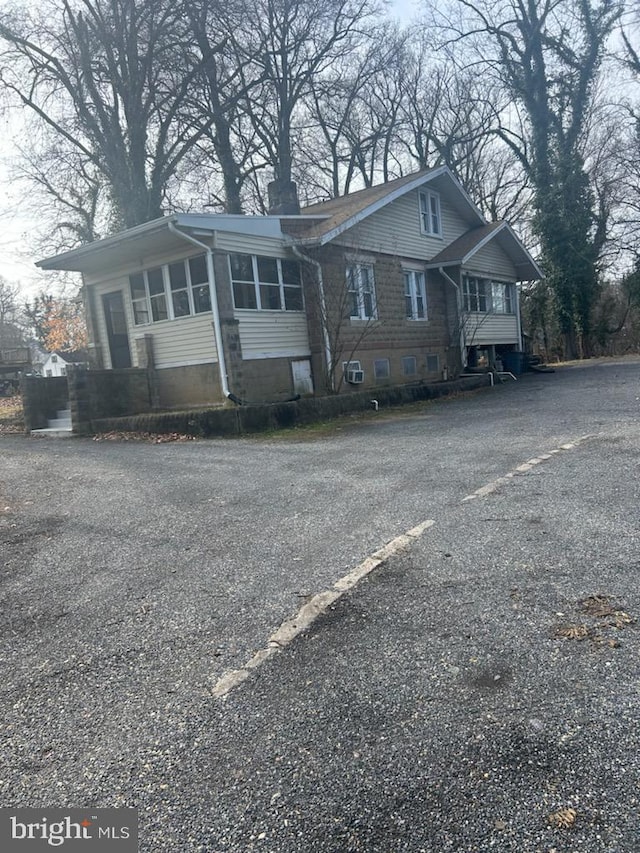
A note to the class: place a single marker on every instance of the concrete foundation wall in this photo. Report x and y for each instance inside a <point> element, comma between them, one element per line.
<point>192,385</point>
<point>267,379</point>
<point>248,419</point>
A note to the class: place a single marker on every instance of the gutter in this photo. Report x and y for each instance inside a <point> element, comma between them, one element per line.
<point>323,306</point>
<point>463,349</point>
<point>222,364</point>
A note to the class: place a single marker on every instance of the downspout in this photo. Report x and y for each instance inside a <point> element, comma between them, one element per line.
<point>518,318</point>
<point>323,307</point>
<point>463,349</point>
<point>222,364</point>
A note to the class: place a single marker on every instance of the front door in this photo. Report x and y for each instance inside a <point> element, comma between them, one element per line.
<point>113,306</point>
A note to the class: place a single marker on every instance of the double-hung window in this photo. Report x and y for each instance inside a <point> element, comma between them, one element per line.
<point>502,297</point>
<point>265,284</point>
<point>477,294</point>
<point>415,295</point>
<point>430,217</point>
<point>172,291</point>
<point>361,292</point>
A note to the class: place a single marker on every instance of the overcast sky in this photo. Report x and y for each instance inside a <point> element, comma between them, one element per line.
<point>17,253</point>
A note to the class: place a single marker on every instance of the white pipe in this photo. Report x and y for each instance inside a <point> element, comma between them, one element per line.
<point>323,307</point>
<point>375,404</point>
<point>222,364</point>
<point>488,373</point>
<point>463,349</point>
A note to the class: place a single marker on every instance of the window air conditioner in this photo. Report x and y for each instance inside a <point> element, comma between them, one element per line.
<point>355,377</point>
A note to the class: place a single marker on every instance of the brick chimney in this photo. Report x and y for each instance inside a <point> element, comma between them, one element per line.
<point>283,198</point>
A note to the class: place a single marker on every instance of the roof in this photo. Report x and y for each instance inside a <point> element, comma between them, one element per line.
<point>468,244</point>
<point>71,357</point>
<point>346,211</point>
<point>157,236</point>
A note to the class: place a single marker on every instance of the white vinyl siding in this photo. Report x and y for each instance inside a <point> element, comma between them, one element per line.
<point>492,262</point>
<point>482,329</point>
<point>186,340</point>
<point>273,334</point>
<point>395,230</point>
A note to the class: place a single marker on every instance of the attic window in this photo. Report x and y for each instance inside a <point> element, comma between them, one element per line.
<point>430,218</point>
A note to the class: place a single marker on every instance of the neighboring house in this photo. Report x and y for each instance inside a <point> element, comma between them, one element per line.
<point>56,363</point>
<point>392,284</point>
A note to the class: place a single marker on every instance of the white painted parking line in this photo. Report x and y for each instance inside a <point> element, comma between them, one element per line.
<point>488,488</point>
<point>316,606</point>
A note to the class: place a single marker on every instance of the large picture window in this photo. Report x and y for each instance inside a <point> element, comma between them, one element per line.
<point>484,296</point>
<point>415,295</point>
<point>169,292</point>
<point>361,292</point>
<point>265,284</point>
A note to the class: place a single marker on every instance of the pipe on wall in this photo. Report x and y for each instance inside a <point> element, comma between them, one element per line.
<point>222,362</point>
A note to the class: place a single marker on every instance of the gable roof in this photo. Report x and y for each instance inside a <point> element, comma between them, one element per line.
<point>71,357</point>
<point>468,244</point>
<point>344,212</point>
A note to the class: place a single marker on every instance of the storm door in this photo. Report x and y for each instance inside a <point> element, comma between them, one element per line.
<point>116,321</point>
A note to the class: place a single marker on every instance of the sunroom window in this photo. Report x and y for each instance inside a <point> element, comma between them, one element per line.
<point>265,284</point>
<point>170,292</point>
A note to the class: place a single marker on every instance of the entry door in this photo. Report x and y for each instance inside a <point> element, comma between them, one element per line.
<point>302,379</point>
<point>113,306</point>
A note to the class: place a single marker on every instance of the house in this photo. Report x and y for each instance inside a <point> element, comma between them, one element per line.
<point>401,282</point>
<point>56,363</point>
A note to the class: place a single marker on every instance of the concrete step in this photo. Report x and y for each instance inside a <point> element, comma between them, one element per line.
<point>59,423</point>
<point>52,432</point>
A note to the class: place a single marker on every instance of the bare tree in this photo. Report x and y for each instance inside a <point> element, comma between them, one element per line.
<point>547,55</point>
<point>109,78</point>
<point>291,43</point>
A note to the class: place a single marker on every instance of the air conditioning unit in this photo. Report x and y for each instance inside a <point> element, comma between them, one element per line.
<point>355,377</point>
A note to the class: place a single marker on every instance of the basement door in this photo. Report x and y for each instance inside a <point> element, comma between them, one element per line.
<point>302,379</point>
<point>116,321</point>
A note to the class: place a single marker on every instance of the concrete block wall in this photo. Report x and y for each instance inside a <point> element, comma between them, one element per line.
<point>391,335</point>
<point>41,399</point>
<point>97,394</point>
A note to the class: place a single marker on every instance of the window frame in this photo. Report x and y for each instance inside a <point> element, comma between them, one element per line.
<point>478,290</point>
<point>416,279</point>
<point>357,295</point>
<point>429,207</point>
<point>377,363</point>
<point>146,305</point>
<point>409,359</point>
<point>284,287</point>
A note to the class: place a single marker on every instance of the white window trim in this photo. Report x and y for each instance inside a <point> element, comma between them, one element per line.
<point>425,200</point>
<point>281,284</point>
<point>362,316</point>
<point>488,294</point>
<point>168,292</point>
<point>417,278</point>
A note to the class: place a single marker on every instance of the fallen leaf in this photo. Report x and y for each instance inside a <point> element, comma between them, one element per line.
<point>563,818</point>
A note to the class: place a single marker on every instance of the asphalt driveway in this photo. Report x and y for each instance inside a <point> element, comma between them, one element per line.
<point>462,698</point>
